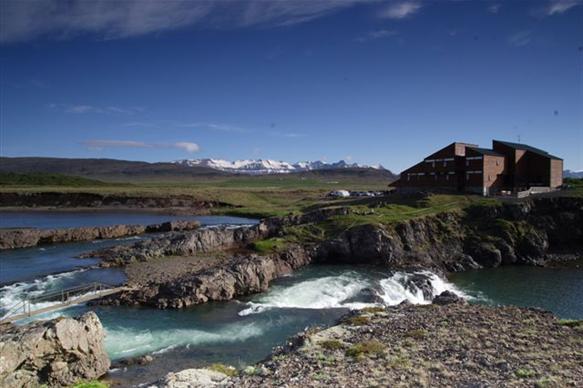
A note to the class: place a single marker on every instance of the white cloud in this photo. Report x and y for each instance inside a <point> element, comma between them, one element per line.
<point>107,19</point>
<point>378,34</point>
<point>187,146</point>
<point>560,6</point>
<point>81,108</point>
<point>99,145</point>
<point>494,8</point>
<point>401,10</point>
<point>520,39</point>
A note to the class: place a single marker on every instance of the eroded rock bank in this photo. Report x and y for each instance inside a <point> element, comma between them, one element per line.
<point>28,237</point>
<point>241,274</point>
<point>59,352</point>
<point>530,232</point>
<point>203,240</point>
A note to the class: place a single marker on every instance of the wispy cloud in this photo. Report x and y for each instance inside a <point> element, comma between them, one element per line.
<point>99,145</point>
<point>494,8</point>
<point>213,126</point>
<point>520,39</point>
<point>81,108</point>
<point>400,10</point>
<point>557,7</point>
<point>373,35</point>
<point>284,134</point>
<point>106,19</point>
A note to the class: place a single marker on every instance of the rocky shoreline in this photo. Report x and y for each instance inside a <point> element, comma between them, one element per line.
<point>218,263</point>
<point>31,237</point>
<point>447,343</point>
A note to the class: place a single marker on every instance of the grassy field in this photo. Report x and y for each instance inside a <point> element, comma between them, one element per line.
<point>259,196</point>
<point>273,195</point>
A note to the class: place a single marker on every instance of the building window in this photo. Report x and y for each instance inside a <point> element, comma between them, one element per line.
<point>467,162</point>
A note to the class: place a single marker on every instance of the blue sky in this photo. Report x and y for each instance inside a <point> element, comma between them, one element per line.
<point>368,81</point>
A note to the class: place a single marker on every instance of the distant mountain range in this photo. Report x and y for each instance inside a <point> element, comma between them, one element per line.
<point>573,174</point>
<point>267,166</point>
<point>124,170</point>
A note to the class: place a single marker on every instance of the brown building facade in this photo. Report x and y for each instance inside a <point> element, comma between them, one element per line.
<point>466,167</point>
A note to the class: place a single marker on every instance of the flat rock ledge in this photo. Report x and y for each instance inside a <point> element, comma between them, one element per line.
<point>194,378</point>
<point>56,353</point>
<point>452,344</point>
<point>31,237</point>
<point>243,274</point>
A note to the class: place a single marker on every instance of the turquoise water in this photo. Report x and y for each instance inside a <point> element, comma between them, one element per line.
<point>559,290</point>
<point>243,331</point>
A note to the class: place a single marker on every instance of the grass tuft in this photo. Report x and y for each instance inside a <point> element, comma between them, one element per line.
<point>368,348</point>
<point>91,384</point>
<point>224,369</point>
<point>331,345</point>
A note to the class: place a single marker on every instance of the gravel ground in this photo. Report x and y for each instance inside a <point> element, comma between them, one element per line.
<point>457,345</point>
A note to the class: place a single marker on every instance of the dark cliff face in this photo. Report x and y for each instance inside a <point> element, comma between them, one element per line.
<point>528,232</point>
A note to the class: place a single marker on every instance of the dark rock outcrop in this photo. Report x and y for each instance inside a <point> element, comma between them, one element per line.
<point>447,297</point>
<point>529,232</point>
<point>181,244</point>
<point>23,238</point>
<point>245,274</point>
<point>59,352</point>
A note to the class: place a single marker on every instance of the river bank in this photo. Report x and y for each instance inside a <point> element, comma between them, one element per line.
<point>535,232</point>
<point>448,343</point>
<point>181,269</point>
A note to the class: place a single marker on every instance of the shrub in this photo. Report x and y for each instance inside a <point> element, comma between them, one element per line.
<point>91,384</point>
<point>357,320</point>
<point>224,369</point>
<point>417,334</point>
<point>572,323</point>
<point>524,373</point>
<point>372,310</point>
<point>369,348</point>
<point>331,344</point>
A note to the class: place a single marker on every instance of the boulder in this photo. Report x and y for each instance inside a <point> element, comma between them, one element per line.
<point>194,378</point>
<point>447,297</point>
<point>58,352</point>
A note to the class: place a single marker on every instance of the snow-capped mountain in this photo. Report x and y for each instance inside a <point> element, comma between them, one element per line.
<point>266,166</point>
<point>573,174</point>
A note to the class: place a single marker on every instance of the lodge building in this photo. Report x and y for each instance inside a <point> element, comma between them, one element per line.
<point>464,167</point>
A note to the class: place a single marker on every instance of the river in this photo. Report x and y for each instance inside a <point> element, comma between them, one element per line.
<point>244,331</point>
